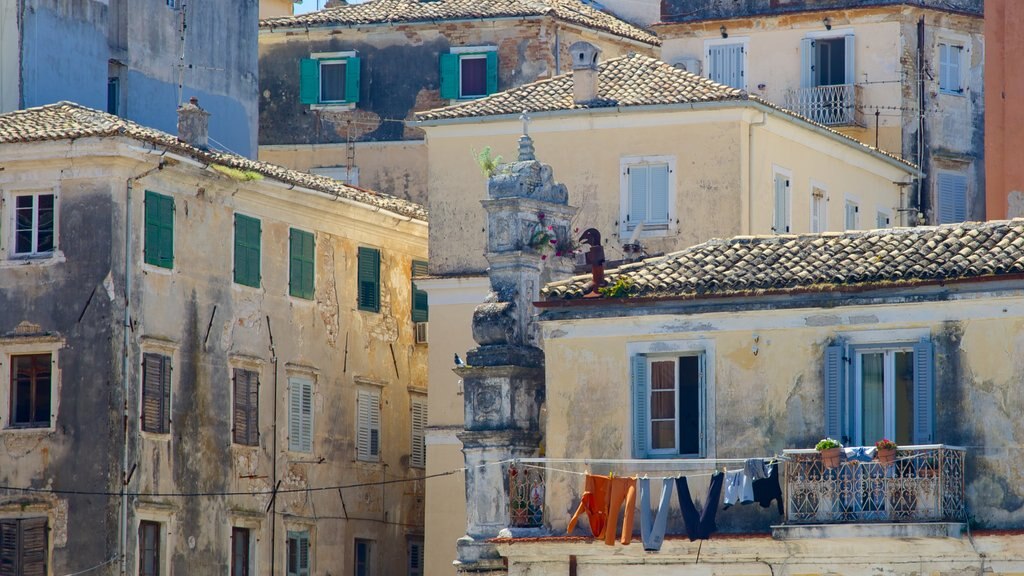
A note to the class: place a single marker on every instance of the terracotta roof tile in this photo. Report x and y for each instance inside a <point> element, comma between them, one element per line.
<point>408,11</point>
<point>820,262</point>
<point>68,121</point>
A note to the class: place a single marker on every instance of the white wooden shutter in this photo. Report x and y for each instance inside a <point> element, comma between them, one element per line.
<point>952,196</point>
<point>725,65</point>
<point>780,224</point>
<point>368,426</point>
<point>850,52</point>
<point>637,179</point>
<point>835,389</point>
<point>924,386</point>
<point>807,63</point>
<point>419,424</point>
<point>657,186</point>
<point>300,415</point>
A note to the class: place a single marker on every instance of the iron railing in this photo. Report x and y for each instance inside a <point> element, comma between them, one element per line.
<point>526,496</point>
<point>833,105</point>
<point>924,484</point>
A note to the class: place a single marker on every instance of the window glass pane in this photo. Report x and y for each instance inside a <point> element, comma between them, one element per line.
<point>473,74</point>
<point>332,81</point>
<point>30,404</point>
<point>663,435</point>
<point>44,223</point>
<point>663,404</point>
<point>23,216</point>
<point>872,397</point>
<point>904,392</point>
<point>689,405</point>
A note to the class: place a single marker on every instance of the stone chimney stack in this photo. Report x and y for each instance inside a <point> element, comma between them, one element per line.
<point>584,71</point>
<point>193,124</point>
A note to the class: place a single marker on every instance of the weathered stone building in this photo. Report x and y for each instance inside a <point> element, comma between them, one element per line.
<point>234,340</point>
<point>137,59</point>
<point>903,75</point>
<point>337,86</point>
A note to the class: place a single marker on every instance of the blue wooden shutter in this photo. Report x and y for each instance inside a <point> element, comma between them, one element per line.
<point>924,386</point>
<point>369,279</point>
<point>492,72</point>
<point>780,224</point>
<point>807,79</point>
<point>658,193</point>
<point>834,380</point>
<point>352,83</point>
<point>850,53</point>
<point>306,433</point>
<point>725,64</point>
<point>952,192</point>
<point>702,367</point>
<point>450,76</point>
<point>640,412</point>
<point>636,178</point>
<point>309,81</point>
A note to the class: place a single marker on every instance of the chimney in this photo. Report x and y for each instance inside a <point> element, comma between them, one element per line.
<point>193,124</point>
<point>584,71</point>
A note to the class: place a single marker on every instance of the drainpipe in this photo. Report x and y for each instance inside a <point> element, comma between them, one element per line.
<point>922,182</point>
<point>273,481</point>
<point>750,171</point>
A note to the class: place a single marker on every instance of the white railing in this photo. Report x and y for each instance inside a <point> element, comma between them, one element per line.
<point>834,105</point>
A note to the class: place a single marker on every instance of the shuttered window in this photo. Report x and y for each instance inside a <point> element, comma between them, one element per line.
<point>648,196</point>
<point>158,247</point>
<point>24,547</point>
<point>31,390</point>
<point>369,279</point>
<point>300,415</point>
<point>368,426</point>
<point>818,210</point>
<point>330,80</point>
<point>852,218</point>
<point>149,548</point>
<point>420,311</point>
<point>240,551</point>
<point>301,264</point>
<point>364,557</point>
<point>469,74</point>
<point>950,59</point>
<point>156,393</point>
<point>247,250</point>
<point>245,411</point>
<point>669,400</point>
<point>298,553</point>
<point>418,458</point>
<point>416,558</point>
<point>781,223</point>
<point>952,201</point>
<point>726,63</point>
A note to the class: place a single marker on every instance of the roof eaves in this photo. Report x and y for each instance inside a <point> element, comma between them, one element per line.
<point>397,22</point>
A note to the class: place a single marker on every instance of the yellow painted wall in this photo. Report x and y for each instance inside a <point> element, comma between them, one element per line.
<point>275,8</point>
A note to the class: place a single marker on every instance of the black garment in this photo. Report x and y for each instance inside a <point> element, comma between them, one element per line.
<point>700,524</point>
<point>768,489</point>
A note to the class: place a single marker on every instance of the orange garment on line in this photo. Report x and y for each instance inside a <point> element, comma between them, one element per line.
<point>603,496</point>
<point>623,491</point>
<point>594,503</point>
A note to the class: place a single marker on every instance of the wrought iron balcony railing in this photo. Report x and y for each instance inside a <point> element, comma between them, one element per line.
<point>833,105</point>
<point>924,484</point>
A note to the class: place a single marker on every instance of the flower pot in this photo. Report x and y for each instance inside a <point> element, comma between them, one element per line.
<point>886,456</point>
<point>830,457</point>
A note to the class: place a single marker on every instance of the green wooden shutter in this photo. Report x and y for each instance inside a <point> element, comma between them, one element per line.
<point>420,309</point>
<point>301,263</point>
<point>449,76</point>
<point>492,72</point>
<point>247,250</point>
<point>924,386</point>
<point>834,380</point>
<point>158,249</point>
<point>369,279</point>
<point>640,412</point>
<point>309,81</point>
<point>352,83</point>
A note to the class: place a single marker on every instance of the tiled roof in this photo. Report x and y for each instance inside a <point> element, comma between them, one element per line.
<point>820,262</point>
<point>68,121</point>
<point>407,11</point>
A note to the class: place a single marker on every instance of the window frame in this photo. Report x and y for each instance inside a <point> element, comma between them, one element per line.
<point>855,203</point>
<point>321,62</point>
<point>352,80</point>
<point>368,420</point>
<point>159,261</point>
<point>298,534</point>
<point>857,388</point>
<point>368,568</point>
<point>248,561</point>
<point>163,522</point>
<point>18,523</point>
<point>743,42</point>
<point>821,215</point>
<point>650,229</point>
<point>457,54</point>
<point>28,346</point>
<point>34,253</point>
<point>243,243</point>
<point>944,73</point>
<point>12,362</point>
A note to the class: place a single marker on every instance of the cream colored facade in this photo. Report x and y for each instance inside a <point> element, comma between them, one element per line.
<point>276,8</point>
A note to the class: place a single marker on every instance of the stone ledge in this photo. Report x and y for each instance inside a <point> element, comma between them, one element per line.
<point>916,530</point>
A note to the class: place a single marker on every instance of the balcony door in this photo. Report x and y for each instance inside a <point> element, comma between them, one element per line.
<point>827,79</point>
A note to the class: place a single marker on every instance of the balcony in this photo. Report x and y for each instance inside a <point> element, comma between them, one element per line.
<point>834,105</point>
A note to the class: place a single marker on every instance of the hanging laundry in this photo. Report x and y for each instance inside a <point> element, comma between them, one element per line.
<point>738,488</point>
<point>653,532</point>
<point>700,524</point>
<point>756,469</point>
<point>595,503</point>
<point>768,489</point>
<point>623,491</point>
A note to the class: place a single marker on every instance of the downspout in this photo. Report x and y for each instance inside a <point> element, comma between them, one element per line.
<point>922,182</point>
<point>273,481</point>
<point>750,171</point>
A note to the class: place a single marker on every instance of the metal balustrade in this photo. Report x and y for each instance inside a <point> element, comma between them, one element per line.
<point>833,105</point>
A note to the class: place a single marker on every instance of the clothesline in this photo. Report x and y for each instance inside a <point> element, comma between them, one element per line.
<point>577,473</point>
<point>695,462</point>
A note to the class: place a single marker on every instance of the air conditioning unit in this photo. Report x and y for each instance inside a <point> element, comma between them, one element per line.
<point>692,65</point>
<point>421,332</point>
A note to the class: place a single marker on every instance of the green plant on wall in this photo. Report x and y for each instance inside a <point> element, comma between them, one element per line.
<point>236,174</point>
<point>488,163</point>
<point>621,288</point>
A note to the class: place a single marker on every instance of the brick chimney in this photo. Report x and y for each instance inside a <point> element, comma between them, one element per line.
<point>584,71</point>
<point>193,124</point>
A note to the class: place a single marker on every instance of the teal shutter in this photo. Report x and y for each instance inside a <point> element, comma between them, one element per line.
<point>301,262</point>
<point>492,72</point>
<point>450,76</point>
<point>369,279</point>
<point>309,81</point>
<point>420,310</point>
<point>924,386</point>
<point>834,379</point>
<point>807,63</point>
<point>298,553</point>
<point>247,250</point>
<point>159,233</point>
<point>640,412</point>
<point>352,79</point>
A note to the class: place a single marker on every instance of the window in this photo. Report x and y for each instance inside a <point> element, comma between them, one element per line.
<point>781,220</point>
<point>156,393</point>
<point>950,60</point>
<point>364,557</point>
<point>852,219</point>
<point>24,546</point>
<point>368,426</point>
<point>668,405</point>
<point>34,217</point>
<point>150,535</point>
<point>369,279</point>
<point>241,547</point>
<point>158,247</point>
<point>245,411</point>
<point>113,95</point>
<point>301,264</point>
<point>418,458</point>
<point>420,311</point>
<point>300,415</point>
<point>726,62</point>
<point>952,197</point>
<point>329,78</point>
<point>31,390</point>
<point>415,557</point>
<point>875,391</point>
<point>298,553</point>
<point>882,219</point>
<point>469,73</point>
<point>247,251</point>
<point>819,210</point>
<point>648,192</point>
<point>827,61</point>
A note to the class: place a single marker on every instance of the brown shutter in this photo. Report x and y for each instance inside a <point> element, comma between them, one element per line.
<point>245,411</point>
<point>254,409</point>
<point>165,406</point>
<point>33,547</point>
<point>8,547</point>
<point>156,393</point>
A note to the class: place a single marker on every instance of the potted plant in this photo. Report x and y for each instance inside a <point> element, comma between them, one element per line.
<point>885,451</point>
<point>831,451</point>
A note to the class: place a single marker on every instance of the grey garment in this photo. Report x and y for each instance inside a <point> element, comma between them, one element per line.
<point>756,469</point>
<point>739,488</point>
<point>653,533</point>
